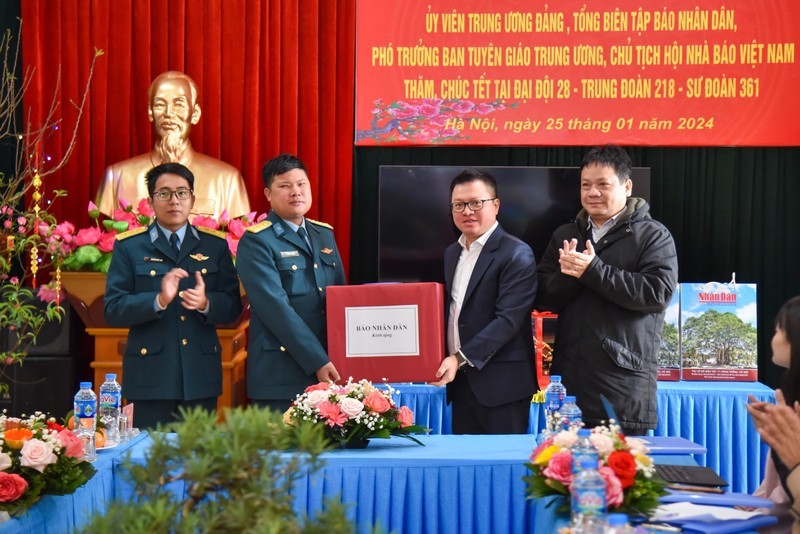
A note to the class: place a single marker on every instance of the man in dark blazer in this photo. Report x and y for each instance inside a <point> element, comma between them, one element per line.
<point>286,264</point>
<point>170,283</point>
<point>490,288</point>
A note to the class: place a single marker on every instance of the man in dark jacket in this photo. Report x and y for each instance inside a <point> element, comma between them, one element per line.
<point>609,276</point>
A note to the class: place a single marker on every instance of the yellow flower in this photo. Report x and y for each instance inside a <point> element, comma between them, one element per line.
<point>545,455</point>
<point>644,460</point>
<point>287,417</point>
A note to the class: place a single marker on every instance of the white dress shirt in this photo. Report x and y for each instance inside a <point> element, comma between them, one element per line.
<point>466,264</point>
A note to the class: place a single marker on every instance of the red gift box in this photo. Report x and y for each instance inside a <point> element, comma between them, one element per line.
<point>386,331</point>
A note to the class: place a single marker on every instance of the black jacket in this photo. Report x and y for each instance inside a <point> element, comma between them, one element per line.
<point>609,321</point>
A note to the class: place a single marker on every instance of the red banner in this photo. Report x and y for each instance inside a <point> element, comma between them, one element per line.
<point>516,72</point>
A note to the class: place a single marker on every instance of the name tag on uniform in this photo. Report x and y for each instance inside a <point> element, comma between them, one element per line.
<point>289,253</point>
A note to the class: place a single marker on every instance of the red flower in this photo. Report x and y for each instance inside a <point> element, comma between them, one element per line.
<point>52,425</point>
<point>11,487</point>
<point>405,416</point>
<point>624,466</point>
<point>106,242</point>
<point>323,386</point>
<point>87,236</point>
<point>144,208</point>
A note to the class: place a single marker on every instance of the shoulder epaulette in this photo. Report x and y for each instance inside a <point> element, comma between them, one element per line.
<point>260,226</point>
<point>210,231</point>
<point>319,223</point>
<point>131,233</point>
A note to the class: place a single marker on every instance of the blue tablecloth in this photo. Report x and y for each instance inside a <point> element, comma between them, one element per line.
<point>711,414</point>
<point>67,513</point>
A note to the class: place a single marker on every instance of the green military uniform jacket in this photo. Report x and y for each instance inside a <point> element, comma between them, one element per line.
<point>285,285</point>
<point>175,353</point>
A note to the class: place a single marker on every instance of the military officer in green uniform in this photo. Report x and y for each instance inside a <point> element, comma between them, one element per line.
<point>170,283</point>
<point>285,264</point>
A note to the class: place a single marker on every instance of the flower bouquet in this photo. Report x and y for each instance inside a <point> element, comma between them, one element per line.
<point>631,484</point>
<point>38,457</point>
<point>354,413</point>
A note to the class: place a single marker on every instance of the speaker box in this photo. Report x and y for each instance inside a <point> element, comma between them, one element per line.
<point>43,383</point>
<point>56,338</point>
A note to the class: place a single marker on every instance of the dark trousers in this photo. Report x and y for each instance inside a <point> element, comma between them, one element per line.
<point>147,414</point>
<point>471,417</point>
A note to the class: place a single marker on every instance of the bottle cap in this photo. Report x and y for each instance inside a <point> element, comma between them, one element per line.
<point>111,376</point>
<point>584,433</point>
<point>557,378</point>
<point>617,519</point>
<point>86,385</point>
<point>569,398</point>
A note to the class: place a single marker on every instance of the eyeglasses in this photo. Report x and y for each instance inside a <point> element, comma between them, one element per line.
<point>164,195</point>
<point>474,205</point>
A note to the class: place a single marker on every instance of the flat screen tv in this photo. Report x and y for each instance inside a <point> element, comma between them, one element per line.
<point>415,225</point>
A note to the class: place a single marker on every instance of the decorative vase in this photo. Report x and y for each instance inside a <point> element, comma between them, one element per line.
<point>84,291</point>
<point>354,444</point>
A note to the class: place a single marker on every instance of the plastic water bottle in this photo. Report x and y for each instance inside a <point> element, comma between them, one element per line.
<point>85,413</point>
<point>110,400</point>
<point>570,413</point>
<point>553,399</point>
<point>618,524</point>
<point>583,450</point>
<point>588,505</point>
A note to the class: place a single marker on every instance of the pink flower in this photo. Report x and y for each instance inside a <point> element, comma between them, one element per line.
<point>233,244</point>
<point>87,236</point>
<point>11,487</point>
<point>614,493</point>
<point>332,414</point>
<point>22,221</point>
<point>261,217</point>
<point>324,386</point>
<point>72,444</point>
<point>224,217</point>
<point>93,210</point>
<point>560,468</point>
<point>14,281</point>
<point>464,106</point>
<point>428,110</point>
<point>317,397</point>
<point>124,204</point>
<point>125,216</point>
<point>47,293</point>
<point>376,402</point>
<point>7,224</point>
<point>106,242</point>
<point>206,222</point>
<point>236,227</point>
<point>37,454</point>
<point>405,416</point>
<point>64,231</point>
<point>483,109</point>
<point>351,407</point>
<point>144,208</point>
<point>449,132</point>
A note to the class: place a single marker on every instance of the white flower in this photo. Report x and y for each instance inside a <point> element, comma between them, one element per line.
<point>565,439</point>
<point>5,461</point>
<point>637,446</point>
<point>351,407</point>
<point>37,454</point>
<point>602,443</point>
<point>315,397</point>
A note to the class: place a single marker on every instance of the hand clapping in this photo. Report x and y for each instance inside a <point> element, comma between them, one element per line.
<point>779,427</point>
<point>572,262</point>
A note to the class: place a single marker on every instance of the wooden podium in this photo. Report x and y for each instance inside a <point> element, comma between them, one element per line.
<point>84,290</point>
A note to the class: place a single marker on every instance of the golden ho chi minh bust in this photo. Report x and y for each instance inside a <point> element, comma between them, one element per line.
<point>173,109</point>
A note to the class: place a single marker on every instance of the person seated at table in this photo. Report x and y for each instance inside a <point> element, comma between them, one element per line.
<point>779,424</point>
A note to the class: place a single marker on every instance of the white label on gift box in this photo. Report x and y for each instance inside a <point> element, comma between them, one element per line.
<point>381,331</point>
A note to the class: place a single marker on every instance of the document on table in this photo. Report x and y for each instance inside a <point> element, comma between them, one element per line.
<point>682,511</point>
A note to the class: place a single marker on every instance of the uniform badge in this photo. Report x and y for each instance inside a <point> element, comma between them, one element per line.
<point>157,260</point>
<point>326,250</point>
<point>289,253</point>
<point>198,257</point>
